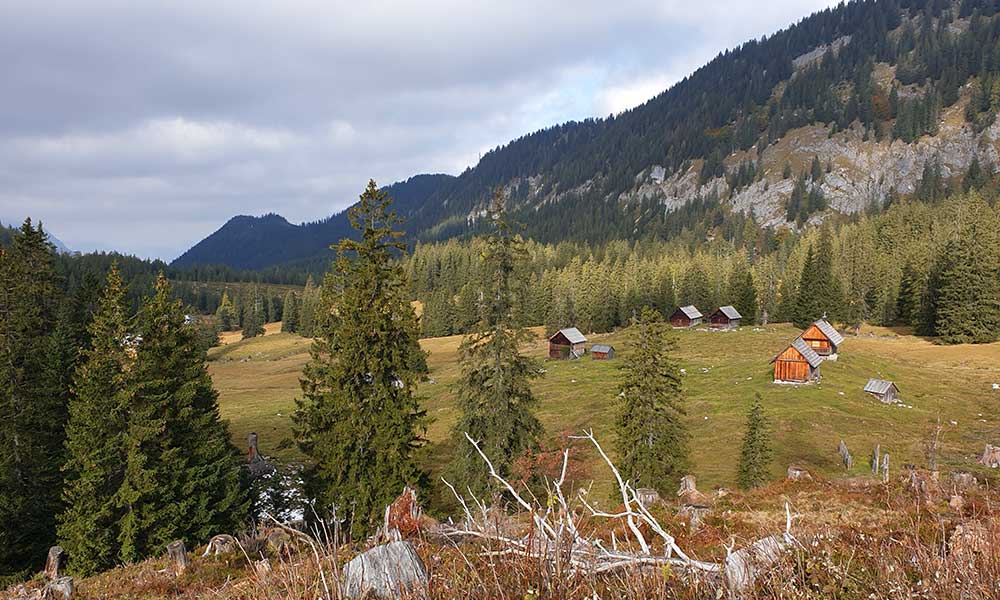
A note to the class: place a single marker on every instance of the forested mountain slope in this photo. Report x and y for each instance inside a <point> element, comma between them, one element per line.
<point>836,114</point>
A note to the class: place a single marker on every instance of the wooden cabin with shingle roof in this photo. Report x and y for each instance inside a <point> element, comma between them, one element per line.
<point>686,316</point>
<point>725,317</point>
<point>823,338</point>
<point>567,343</point>
<point>798,363</point>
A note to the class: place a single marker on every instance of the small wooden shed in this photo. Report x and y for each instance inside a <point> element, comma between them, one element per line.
<point>798,363</point>
<point>725,317</point>
<point>686,316</point>
<point>602,352</point>
<point>567,343</point>
<point>886,391</point>
<point>823,338</point>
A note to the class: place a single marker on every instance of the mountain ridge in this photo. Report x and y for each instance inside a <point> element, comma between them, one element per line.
<point>878,93</point>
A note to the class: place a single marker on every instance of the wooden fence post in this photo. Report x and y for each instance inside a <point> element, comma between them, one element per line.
<point>178,556</point>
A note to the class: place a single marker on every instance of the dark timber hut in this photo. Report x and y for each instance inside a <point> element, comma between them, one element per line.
<point>686,316</point>
<point>886,391</point>
<point>602,352</point>
<point>725,317</point>
<point>797,363</point>
<point>567,343</point>
<point>823,338</point>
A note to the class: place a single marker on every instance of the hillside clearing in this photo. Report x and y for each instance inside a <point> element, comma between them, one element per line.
<point>258,381</point>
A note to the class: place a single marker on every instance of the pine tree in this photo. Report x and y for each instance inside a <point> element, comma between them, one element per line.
<point>33,400</point>
<point>226,313</point>
<point>253,319</point>
<point>307,309</point>
<point>815,169</point>
<point>695,289</point>
<point>808,303</point>
<point>756,454</point>
<point>358,421</point>
<point>652,435</point>
<point>742,293</point>
<point>182,475</point>
<point>494,392</point>
<point>290,313</point>
<point>968,298</point>
<point>95,437</point>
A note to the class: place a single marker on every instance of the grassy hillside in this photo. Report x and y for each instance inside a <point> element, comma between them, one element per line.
<point>258,381</point>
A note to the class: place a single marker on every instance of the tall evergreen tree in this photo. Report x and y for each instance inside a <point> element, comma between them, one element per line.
<point>226,313</point>
<point>308,309</point>
<point>756,453</point>
<point>652,434</point>
<point>253,318</point>
<point>33,400</point>
<point>95,434</point>
<point>742,293</point>
<point>183,476</point>
<point>968,297</point>
<point>358,421</point>
<point>290,313</point>
<point>695,288</point>
<point>494,392</point>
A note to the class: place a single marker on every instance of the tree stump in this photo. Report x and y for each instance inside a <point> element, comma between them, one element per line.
<point>963,480</point>
<point>402,517</point>
<point>279,542</point>
<point>221,544</point>
<point>688,492</point>
<point>797,474</point>
<point>257,465</point>
<point>648,497</point>
<point>58,589</point>
<point>387,571</point>
<point>991,456</point>
<point>178,557</point>
<point>54,562</point>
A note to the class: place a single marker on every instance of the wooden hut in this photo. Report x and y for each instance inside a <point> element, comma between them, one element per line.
<point>602,352</point>
<point>725,317</point>
<point>567,343</point>
<point>798,363</point>
<point>686,316</point>
<point>823,338</point>
<point>886,391</point>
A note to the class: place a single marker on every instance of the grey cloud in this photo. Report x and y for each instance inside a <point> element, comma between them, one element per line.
<point>144,126</point>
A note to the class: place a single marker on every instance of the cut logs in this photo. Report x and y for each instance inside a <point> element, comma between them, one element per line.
<point>54,563</point>
<point>991,456</point>
<point>387,571</point>
<point>178,557</point>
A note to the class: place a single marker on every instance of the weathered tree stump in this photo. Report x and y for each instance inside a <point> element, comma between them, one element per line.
<point>178,557</point>
<point>694,513</point>
<point>648,497</point>
<point>221,544</point>
<point>797,474</point>
<point>279,542</point>
<point>963,480</point>
<point>387,571</point>
<point>743,566</point>
<point>885,468</point>
<point>876,460</point>
<point>402,517</point>
<point>991,456</point>
<point>957,502</point>
<point>58,589</point>
<point>257,465</point>
<point>845,455</point>
<point>54,562</point>
<point>688,492</point>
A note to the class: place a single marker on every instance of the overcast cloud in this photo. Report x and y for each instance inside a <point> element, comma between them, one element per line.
<point>143,128</point>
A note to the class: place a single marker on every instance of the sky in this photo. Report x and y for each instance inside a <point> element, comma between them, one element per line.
<point>143,127</point>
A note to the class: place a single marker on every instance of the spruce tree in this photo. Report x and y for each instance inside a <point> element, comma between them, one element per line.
<point>182,475</point>
<point>358,421</point>
<point>307,309</point>
<point>494,391</point>
<point>652,434</point>
<point>756,453</point>
<point>968,296</point>
<point>226,313</point>
<point>742,293</point>
<point>695,289</point>
<point>290,313</point>
<point>95,437</point>
<point>253,319</point>
<point>33,400</point>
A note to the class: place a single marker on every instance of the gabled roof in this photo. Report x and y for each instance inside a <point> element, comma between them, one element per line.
<point>730,312</point>
<point>878,386</point>
<point>572,334</point>
<point>830,332</point>
<point>807,353</point>
<point>691,312</point>
<point>605,348</point>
